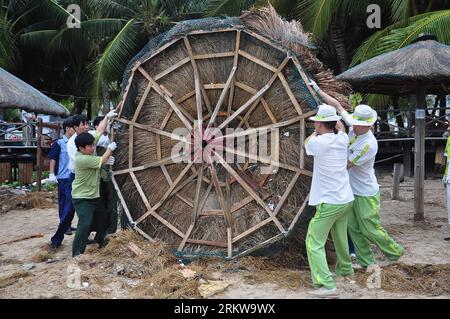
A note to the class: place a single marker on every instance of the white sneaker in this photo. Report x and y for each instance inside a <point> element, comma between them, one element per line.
<point>324,293</point>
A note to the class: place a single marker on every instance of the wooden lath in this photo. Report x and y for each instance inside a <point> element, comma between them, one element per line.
<point>256,98</point>
<point>250,191</point>
<point>235,64</point>
<point>198,83</point>
<point>175,106</point>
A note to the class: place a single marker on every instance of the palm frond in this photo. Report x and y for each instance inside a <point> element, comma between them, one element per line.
<point>91,32</point>
<point>9,58</point>
<point>436,23</point>
<point>377,101</point>
<point>58,11</point>
<point>112,8</point>
<point>40,25</point>
<point>401,10</point>
<point>316,15</point>
<point>227,7</point>
<point>285,8</point>
<point>120,50</point>
<point>23,15</point>
<point>192,7</point>
<point>169,7</point>
<point>18,6</point>
<point>37,39</point>
<point>376,44</point>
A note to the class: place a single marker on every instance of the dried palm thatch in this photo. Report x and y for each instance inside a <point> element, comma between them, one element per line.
<point>15,93</point>
<point>425,62</point>
<point>248,73</point>
<point>431,280</point>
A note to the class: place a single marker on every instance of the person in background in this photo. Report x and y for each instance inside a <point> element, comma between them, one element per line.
<point>81,125</point>
<point>59,173</point>
<point>28,129</point>
<point>85,190</point>
<point>332,196</point>
<point>445,179</point>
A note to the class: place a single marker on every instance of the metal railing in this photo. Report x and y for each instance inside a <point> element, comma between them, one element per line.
<point>398,124</point>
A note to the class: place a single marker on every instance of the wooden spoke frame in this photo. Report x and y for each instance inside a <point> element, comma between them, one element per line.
<point>206,115</point>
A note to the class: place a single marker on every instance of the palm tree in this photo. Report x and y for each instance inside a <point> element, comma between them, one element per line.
<point>434,19</point>
<point>406,19</point>
<point>111,32</point>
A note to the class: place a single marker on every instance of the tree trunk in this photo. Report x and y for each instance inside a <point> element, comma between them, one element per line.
<point>384,119</point>
<point>106,98</point>
<point>79,104</point>
<point>442,104</point>
<point>89,109</point>
<point>398,116</point>
<point>338,39</point>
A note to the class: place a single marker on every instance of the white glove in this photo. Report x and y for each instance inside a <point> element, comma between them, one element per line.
<point>112,146</point>
<point>52,179</point>
<point>314,85</point>
<point>110,161</point>
<point>445,180</point>
<point>111,114</point>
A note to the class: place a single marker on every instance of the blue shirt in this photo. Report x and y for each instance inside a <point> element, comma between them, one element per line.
<point>58,152</point>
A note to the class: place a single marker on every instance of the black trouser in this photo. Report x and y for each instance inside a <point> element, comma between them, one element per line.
<point>89,211</point>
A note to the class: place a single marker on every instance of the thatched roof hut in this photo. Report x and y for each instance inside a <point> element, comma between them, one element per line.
<point>425,61</point>
<point>15,93</point>
<point>248,72</point>
<point>420,68</point>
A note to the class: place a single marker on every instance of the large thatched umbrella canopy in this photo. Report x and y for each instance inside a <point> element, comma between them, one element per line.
<point>420,68</point>
<point>425,62</point>
<point>15,93</point>
<point>248,73</point>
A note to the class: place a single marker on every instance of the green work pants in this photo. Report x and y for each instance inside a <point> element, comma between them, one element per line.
<point>328,218</point>
<point>364,226</point>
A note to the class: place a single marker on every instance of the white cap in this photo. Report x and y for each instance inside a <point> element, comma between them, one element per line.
<point>326,113</point>
<point>364,115</point>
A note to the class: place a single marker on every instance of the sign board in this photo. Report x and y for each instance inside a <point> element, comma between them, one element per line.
<point>420,114</point>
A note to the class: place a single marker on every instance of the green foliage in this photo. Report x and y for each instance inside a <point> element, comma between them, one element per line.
<point>12,114</point>
<point>356,99</point>
<point>227,7</point>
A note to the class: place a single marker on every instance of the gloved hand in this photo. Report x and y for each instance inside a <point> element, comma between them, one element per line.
<point>52,179</point>
<point>110,161</point>
<point>112,146</point>
<point>314,85</point>
<point>111,114</point>
<point>445,180</point>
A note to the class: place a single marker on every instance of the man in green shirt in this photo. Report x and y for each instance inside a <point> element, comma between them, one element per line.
<point>85,190</point>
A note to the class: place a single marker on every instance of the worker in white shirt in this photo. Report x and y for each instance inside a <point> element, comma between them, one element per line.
<point>81,125</point>
<point>364,223</point>
<point>332,196</point>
